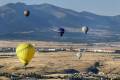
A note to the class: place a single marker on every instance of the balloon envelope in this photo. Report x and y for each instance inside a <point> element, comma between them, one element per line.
<point>26,13</point>
<point>79,55</point>
<point>61,31</point>
<point>25,52</point>
<point>85,29</point>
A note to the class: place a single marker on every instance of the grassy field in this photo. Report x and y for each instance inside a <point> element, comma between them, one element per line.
<point>58,63</point>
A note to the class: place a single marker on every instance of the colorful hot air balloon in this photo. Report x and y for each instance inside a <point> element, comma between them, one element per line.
<point>61,31</point>
<point>85,29</point>
<point>26,13</point>
<point>25,53</point>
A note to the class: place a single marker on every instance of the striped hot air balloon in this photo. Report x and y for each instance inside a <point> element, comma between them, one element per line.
<point>85,29</point>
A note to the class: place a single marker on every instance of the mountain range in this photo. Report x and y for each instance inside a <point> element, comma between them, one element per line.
<point>45,18</point>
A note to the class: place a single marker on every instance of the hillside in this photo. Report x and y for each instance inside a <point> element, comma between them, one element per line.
<point>45,18</point>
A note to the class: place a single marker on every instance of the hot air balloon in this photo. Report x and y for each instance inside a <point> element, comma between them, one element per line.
<point>26,13</point>
<point>85,29</point>
<point>25,53</point>
<point>61,31</point>
<point>79,55</point>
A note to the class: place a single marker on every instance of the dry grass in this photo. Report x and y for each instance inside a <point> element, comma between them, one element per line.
<point>56,62</point>
<point>59,61</point>
<point>4,78</point>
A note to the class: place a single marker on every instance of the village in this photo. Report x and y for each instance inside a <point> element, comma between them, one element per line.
<point>5,50</point>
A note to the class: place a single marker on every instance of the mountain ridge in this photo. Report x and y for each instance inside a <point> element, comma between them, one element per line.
<point>45,17</point>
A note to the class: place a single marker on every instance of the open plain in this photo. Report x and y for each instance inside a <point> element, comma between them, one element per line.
<point>59,63</point>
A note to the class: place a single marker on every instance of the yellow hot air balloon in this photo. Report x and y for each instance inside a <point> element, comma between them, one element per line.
<point>25,52</point>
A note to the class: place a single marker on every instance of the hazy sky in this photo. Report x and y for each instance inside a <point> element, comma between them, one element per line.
<point>102,7</point>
